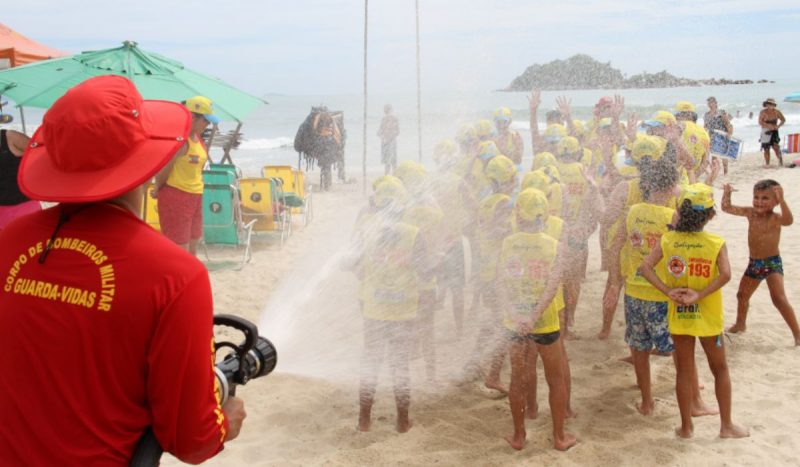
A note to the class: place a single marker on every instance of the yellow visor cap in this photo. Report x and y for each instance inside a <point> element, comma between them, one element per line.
<point>501,169</point>
<point>700,195</point>
<point>532,204</point>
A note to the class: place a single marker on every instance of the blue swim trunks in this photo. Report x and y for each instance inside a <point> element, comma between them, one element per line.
<point>759,269</point>
<point>646,325</point>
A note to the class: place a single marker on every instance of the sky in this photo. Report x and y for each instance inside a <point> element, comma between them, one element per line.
<point>316,47</point>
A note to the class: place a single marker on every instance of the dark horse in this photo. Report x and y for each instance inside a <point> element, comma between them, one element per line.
<point>320,139</point>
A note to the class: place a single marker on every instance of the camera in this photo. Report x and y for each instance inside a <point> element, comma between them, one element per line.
<point>252,358</point>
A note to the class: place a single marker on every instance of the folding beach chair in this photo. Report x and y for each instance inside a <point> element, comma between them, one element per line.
<point>222,220</point>
<point>262,202</point>
<point>294,192</point>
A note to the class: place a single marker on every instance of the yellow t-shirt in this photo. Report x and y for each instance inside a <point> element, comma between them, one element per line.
<point>526,262</point>
<point>575,183</point>
<point>645,225</point>
<point>187,172</point>
<point>389,289</point>
<point>690,260</point>
<point>489,243</point>
<point>427,217</point>
<point>697,142</point>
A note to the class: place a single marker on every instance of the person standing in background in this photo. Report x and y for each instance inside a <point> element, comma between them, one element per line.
<point>13,203</point>
<point>179,185</point>
<point>716,120</point>
<point>507,140</point>
<point>771,119</point>
<point>388,132</point>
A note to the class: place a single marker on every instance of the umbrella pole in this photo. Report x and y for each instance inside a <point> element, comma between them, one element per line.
<point>364,156</point>
<point>22,119</point>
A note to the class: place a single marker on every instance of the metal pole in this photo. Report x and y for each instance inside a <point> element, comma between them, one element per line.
<point>364,157</point>
<point>419,95</point>
<point>22,119</point>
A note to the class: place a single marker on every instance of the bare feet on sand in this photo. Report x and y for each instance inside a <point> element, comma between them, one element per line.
<point>646,407</point>
<point>516,441</point>
<point>603,334</point>
<point>570,413</point>
<point>565,442</point>
<point>734,431</point>
<point>736,328</point>
<point>403,425</point>
<point>700,409</point>
<point>684,433</point>
<point>496,385</point>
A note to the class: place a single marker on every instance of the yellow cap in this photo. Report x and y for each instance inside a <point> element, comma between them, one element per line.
<point>552,172</point>
<point>543,159</point>
<point>380,180</point>
<point>700,195</point>
<point>532,204</point>
<point>488,148</point>
<point>568,145</point>
<point>685,106</point>
<point>554,132</point>
<point>503,113</point>
<point>484,128</point>
<point>444,149</point>
<point>536,179</point>
<point>578,128</point>
<point>389,191</point>
<point>650,146</point>
<point>501,169</point>
<point>466,134</point>
<point>661,118</point>
<point>412,174</point>
<point>203,106</point>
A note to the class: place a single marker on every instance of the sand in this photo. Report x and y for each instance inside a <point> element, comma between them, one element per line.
<point>305,412</point>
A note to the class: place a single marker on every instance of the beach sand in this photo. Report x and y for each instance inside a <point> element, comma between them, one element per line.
<point>305,412</point>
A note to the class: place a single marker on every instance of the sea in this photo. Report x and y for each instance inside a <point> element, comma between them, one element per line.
<point>268,133</point>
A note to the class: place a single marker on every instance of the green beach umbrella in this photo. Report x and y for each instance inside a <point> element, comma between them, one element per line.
<point>156,77</point>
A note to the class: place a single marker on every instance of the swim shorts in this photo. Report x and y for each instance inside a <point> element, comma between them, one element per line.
<point>540,339</point>
<point>180,214</point>
<point>646,325</point>
<point>759,269</point>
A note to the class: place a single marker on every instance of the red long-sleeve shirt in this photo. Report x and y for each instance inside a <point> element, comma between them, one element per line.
<point>112,334</point>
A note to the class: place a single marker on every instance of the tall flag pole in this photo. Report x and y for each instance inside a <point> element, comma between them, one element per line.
<point>364,157</point>
<point>419,87</point>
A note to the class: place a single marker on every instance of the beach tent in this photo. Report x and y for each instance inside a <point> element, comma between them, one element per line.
<point>16,49</point>
<point>155,76</point>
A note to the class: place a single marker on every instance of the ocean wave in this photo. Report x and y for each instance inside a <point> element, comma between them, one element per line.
<point>267,143</point>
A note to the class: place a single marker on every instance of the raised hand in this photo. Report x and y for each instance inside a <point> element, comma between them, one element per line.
<point>534,99</point>
<point>617,106</point>
<point>727,188</point>
<point>778,190</point>
<point>563,104</point>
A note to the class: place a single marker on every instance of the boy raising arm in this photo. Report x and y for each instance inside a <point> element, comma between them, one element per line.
<point>763,238</point>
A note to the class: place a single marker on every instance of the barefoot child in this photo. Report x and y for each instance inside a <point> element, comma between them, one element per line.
<point>529,274</point>
<point>694,269</point>
<point>763,237</point>
<point>392,263</point>
<point>646,325</point>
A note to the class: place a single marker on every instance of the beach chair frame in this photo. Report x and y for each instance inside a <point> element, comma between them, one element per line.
<point>242,231</point>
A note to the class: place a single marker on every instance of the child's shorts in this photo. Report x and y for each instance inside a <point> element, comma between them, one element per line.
<point>646,325</point>
<point>759,269</point>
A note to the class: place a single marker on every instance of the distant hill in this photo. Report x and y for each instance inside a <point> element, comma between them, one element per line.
<point>584,72</point>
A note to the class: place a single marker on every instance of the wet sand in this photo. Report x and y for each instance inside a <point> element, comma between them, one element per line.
<point>305,412</point>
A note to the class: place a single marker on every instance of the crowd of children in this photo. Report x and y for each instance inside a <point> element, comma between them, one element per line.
<point>646,187</point>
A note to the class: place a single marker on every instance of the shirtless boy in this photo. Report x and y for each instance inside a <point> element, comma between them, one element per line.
<point>763,237</point>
